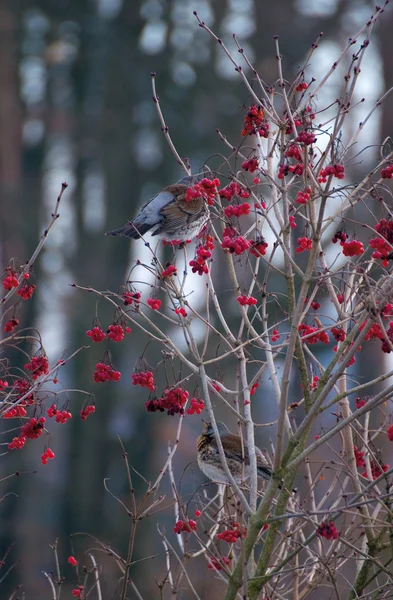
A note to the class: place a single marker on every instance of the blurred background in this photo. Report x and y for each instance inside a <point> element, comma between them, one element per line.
<point>76,106</point>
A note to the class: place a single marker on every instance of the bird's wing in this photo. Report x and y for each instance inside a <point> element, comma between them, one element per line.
<point>233,448</point>
<point>179,213</point>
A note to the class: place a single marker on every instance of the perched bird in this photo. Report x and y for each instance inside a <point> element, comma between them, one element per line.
<point>169,214</point>
<point>209,460</point>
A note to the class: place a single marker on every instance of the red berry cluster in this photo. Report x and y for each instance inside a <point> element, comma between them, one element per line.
<point>387,172</point>
<point>181,311</point>
<point>144,379</point>
<point>292,222</point>
<point>232,535</point>
<point>72,561</point>
<point>314,384</point>
<point>236,244</point>
<point>382,249</point>
<point>237,210</point>
<point>11,325</point>
<point>317,334</point>
<point>360,402</point>
<point>39,366</point>
<point>352,248</point>
<point>33,428</point>
<point>250,165</point>
<point>77,592</point>
<point>303,197</point>
<point>359,457</point>
<point>390,433</point>
<point>115,333</point>
<point>130,298</point>
<point>247,300</point>
<point>338,334</point>
<point>173,401</point>
<point>327,529</point>
<point>206,188</point>
<point>254,388</point>
<point>332,170</point>
<point>26,291</point>
<point>258,247</point>
<point>17,411</point>
<point>61,416</point>
<point>96,334</point>
<point>17,443</point>
<point>301,86</point>
<point>254,122</point>
<point>339,236</point>
<point>48,455</point>
<point>105,372</point>
<point>196,407</point>
<point>306,137</point>
<point>217,564</point>
<point>376,470</point>
<point>233,189</point>
<point>285,169</point>
<point>153,303</point>
<point>3,385</point>
<point>293,152</point>
<point>185,526</point>
<point>88,410</point>
<point>203,253</point>
<point>169,271</point>
<point>303,243</point>
<point>10,281</point>
<point>276,335</point>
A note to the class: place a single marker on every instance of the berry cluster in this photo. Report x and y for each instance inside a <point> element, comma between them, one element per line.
<point>96,334</point>
<point>338,334</point>
<point>285,169</point>
<point>301,86</point>
<point>359,457</point>
<point>234,189</point>
<point>316,335</point>
<point>217,564</point>
<point>77,592</point>
<point>17,411</point>
<point>154,303</point>
<point>17,443</point>
<point>144,379</point>
<point>332,170</point>
<point>376,470</point>
<point>181,311</point>
<point>250,165</point>
<point>327,529</point>
<point>10,281</point>
<point>276,335</point>
<point>247,300</point>
<point>292,222</point>
<point>206,188</point>
<point>170,271</point>
<point>236,244</point>
<point>33,428</point>
<point>132,298</point>
<point>387,172</point>
<point>232,535</point>
<point>196,407</point>
<point>254,388</point>
<point>352,248</point>
<point>203,253</point>
<point>237,210</point>
<point>105,372</point>
<point>185,526</point>
<point>307,138</point>
<point>48,455</point>
<point>303,197</point>
<point>303,243</point>
<point>254,122</point>
<point>173,401</point>
<point>26,291</point>
<point>61,416</point>
<point>88,410</point>
<point>293,152</point>
<point>258,247</point>
<point>11,325</point>
<point>115,333</point>
<point>39,366</point>
<point>339,236</point>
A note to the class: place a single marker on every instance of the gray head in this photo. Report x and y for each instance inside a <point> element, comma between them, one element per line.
<point>222,428</point>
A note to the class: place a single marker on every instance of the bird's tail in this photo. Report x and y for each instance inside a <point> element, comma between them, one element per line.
<point>129,230</point>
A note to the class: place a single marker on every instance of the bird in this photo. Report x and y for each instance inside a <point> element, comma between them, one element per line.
<point>236,453</point>
<point>169,215</point>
